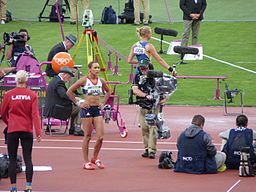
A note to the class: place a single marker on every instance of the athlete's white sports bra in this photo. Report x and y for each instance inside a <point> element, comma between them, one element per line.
<point>92,89</point>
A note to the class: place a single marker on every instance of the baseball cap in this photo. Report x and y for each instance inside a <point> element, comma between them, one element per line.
<point>66,70</point>
<point>72,39</point>
<point>144,63</point>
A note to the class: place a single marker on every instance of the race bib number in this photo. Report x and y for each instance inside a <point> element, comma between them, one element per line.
<point>139,50</point>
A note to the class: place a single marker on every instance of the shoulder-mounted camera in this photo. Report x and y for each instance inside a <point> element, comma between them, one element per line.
<point>18,38</point>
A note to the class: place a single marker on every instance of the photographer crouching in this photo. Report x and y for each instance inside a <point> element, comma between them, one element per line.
<point>17,44</point>
<point>143,87</point>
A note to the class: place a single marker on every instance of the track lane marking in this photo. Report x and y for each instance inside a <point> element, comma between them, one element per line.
<point>233,186</point>
<point>109,141</point>
<point>103,148</point>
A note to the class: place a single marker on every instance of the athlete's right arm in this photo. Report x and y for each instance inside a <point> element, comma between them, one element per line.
<point>71,91</point>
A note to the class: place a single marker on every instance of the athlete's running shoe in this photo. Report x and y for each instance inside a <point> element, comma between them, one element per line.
<point>88,166</point>
<point>98,163</point>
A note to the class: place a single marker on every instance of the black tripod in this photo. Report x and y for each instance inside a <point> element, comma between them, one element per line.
<point>182,55</point>
<point>46,3</point>
<point>161,44</point>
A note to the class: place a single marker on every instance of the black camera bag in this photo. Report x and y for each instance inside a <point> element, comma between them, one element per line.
<point>53,17</point>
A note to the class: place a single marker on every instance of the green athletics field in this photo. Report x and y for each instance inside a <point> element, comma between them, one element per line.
<point>233,42</point>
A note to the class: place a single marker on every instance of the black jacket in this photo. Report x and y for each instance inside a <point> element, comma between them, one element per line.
<point>189,6</point>
<point>57,103</point>
<point>56,49</point>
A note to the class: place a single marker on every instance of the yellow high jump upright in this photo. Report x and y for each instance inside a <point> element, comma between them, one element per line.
<point>92,49</point>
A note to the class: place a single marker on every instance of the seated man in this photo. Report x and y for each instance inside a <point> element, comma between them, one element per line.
<point>57,102</point>
<point>64,46</point>
<point>196,152</point>
<point>18,46</point>
<point>234,139</point>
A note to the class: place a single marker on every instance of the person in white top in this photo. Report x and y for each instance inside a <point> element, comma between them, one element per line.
<point>91,116</point>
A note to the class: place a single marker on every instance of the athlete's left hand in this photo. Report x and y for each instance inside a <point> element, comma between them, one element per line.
<point>39,138</point>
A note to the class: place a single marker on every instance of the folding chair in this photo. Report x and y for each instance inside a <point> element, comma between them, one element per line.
<point>59,117</point>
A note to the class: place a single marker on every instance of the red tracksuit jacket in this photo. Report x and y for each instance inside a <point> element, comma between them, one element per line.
<point>20,111</point>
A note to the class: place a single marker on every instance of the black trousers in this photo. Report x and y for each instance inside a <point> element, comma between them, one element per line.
<point>26,140</point>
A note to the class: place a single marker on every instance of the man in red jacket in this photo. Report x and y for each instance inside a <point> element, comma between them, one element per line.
<point>20,113</point>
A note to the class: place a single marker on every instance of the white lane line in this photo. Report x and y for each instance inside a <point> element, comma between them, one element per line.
<point>215,59</point>
<point>23,191</point>
<point>234,185</point>
<point>106,141</point>
<point>230,64</point>
<point>103,148</point>
<point>118,142</point>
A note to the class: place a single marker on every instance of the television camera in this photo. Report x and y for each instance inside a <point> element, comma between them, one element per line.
<point>18,38</point>
<point>164,86</point>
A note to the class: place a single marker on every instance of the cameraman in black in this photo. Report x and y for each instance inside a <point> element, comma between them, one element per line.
<point>142,88</point>
<point>18,45</point>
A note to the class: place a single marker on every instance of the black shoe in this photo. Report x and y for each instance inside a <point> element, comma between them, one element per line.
<point>146,24</point>
<point>72,22</point>
<point>28,190</point>
<point>145,154</point>
<point>152,155</point>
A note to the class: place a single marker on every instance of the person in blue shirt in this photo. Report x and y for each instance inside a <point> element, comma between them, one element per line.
<point>145,50</point>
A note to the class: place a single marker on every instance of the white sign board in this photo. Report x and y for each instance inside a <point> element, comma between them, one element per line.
<point>198,56</point>
<point>172,45</point>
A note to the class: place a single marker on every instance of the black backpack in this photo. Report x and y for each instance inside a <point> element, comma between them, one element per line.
<point>78,131</point>
<point>108,16</point>
<point>8,16</point>
<point>128,15</point>
<point>165,160</point>
<point>4,163</point>
<point>53,17</point>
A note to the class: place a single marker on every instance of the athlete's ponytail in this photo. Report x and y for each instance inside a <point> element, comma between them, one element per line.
<point>142,31</point>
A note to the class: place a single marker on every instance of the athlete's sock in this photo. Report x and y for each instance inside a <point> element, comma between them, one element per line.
<point>29,185</point>
<point>14,188</point>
